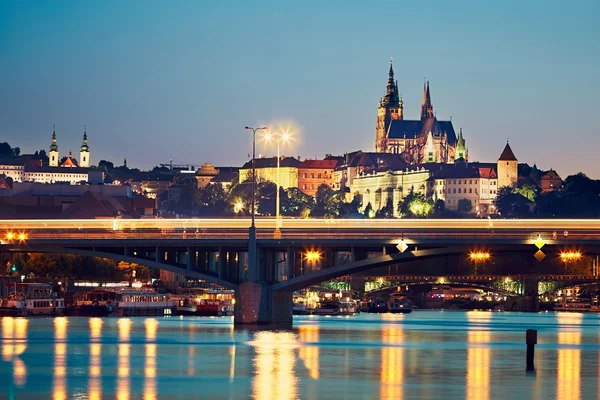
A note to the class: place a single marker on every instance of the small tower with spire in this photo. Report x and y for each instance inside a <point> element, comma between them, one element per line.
<point>53,154</point>
<point>507,168</point>
<point>426,106</point>
<point>390,108</point>
<point>461,148</point>
<point>84,153</point>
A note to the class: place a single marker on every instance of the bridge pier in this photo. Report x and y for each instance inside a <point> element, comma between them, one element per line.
<point>257,304</point>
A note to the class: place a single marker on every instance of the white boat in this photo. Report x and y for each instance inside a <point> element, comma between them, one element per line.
<point>123,301</point>
<point>327,308</point>
<point>580,306</point>
<point>397,307</point>
<point>32,299</point>
<point>349,307</point>
<point>299,308</point>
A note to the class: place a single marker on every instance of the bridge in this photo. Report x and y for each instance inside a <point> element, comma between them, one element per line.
<point>303,252</point>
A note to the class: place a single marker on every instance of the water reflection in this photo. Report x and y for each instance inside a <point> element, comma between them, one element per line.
<point>392,362</point>
<point>95,387</point>
<point>60,359</point>
<point>478,357</point>
<point>274,366</point>
<point>14,333</point>
<point>568,380</point>
<point>232,355</point>
<point>310,354</point>
<point>150,367</point>
<point>124,349</point>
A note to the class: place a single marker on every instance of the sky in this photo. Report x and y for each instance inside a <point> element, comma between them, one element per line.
<point>156,81</point>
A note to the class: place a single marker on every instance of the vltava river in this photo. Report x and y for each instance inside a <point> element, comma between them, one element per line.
<point>426,354</point>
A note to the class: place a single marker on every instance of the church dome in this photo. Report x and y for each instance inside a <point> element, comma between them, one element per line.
<point>207,170</point>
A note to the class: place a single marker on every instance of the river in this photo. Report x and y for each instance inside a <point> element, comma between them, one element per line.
<point>426,354</point>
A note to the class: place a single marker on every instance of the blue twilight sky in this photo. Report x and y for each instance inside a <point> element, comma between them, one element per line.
<point>158,80</point>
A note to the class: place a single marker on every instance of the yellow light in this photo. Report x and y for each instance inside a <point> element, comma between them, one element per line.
<point>570,255</point>
<point>313,256</point>
<point>22,236</point>
<point>478,256</point>
<point>238,206</point>
<point>233,302</point>
<point>10,236</point>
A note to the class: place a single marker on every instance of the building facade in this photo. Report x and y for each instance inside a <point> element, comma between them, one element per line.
<point>314,173</point>
<point>507,168</point>
<point>427,140</point>
<point>266,170</point>
<point>478,184</point>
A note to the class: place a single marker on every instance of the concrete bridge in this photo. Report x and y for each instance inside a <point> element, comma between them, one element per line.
<point>302,253</point>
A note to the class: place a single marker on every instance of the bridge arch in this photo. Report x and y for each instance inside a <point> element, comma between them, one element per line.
<point>130,259</point>
<point>455,283</point>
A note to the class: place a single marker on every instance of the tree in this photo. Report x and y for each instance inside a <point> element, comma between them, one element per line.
<point>293,201</point>
<point>368,211</point>
<point>440,205</point>
<point>5,150</point>
<point>502,202</point>
<point>16,151</point>
<point>105,166</point>
<point>527,191</point>
<point>387,211</point>
<point>416,205</point>
<point>465,206</point>
<point>328,203</point>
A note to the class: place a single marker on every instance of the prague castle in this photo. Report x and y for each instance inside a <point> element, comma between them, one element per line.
<point>427,140</point>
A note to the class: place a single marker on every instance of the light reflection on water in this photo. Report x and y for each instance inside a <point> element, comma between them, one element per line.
<point>473,355</point>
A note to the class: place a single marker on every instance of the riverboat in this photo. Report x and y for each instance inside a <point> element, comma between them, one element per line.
<point>397,307</point>
<point>127,301</point>
<point>299,308</point>
<point>328,308</point>
<point>378,306</point>
<point>205,302</point>
<point>579,306</point>
<point>27,299</point>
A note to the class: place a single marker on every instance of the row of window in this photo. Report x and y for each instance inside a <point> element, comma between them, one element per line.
<point>312,175</point>
<point>463,181</point>
<point>465,191</point>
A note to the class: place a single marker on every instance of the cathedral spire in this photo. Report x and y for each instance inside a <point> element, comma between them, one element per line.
<point>84,146</point>
<point>426,106</point>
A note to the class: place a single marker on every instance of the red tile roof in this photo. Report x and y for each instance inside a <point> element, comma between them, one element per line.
<point>319,164</point>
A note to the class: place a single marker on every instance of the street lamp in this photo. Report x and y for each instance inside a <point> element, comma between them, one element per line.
<point>252,270</point>
<point>283,137</point>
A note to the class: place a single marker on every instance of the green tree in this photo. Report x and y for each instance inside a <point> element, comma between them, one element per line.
<point>527,191</point>
<point>465,206</point>
<point>503,202</point>
<point>328,203</point>
<point>368,211</point>
<point>387,211</point>
<point>416,205</point>
<point>293,201</point>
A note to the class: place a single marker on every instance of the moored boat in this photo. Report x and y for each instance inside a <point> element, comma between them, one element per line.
<point>397,307</point>
<point>121,302</point>
<point>26,299</point>
<point>327,308</point>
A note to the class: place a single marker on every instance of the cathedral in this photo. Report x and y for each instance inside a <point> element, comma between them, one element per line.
<point>427,140</point>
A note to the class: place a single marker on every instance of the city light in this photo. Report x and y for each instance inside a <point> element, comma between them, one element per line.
<point>570,256</point>
<point>10,236</point>
<point>478,256</point>
<point>238,206</point>
<point>313,255</point>
<point>22,236</point>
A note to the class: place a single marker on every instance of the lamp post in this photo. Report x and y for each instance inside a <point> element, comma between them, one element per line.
<point>285,137</point>
<point>252,270</point>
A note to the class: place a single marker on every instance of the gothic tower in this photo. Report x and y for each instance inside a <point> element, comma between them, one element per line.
<point>84,153</point>
<point>53,154</point>
<point>390,108</point>
<point>461,148</point>
<point>426,107</point>
<point>507,168</point>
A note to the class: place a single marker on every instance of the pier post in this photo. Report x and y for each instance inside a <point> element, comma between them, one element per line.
<point>531,341</point>
<point>257,304</point>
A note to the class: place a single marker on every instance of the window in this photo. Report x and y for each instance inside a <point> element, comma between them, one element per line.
<point>458,190</point>
<point>470,190</point>
<point>319,175</point>
<point>470,182</point>
<point>303,187</point>
<point>454,190</point>
<point>312,175</point>
<point>304,175</point>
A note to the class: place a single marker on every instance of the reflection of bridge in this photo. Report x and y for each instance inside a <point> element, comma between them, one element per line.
<point>216,250</point>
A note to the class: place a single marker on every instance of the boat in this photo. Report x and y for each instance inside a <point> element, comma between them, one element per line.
<point>579,306</point>
<point>349,307</point>
<point>204,302</point>
<point>27,299</point>
<point>299,308</point>
<point>397,307</point>
<point>378,306</point>
<point>327,308</point>
<point>185,304</point>
<point>126,301</point>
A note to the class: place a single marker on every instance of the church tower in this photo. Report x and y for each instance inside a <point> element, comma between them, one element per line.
<point>426,106</point>
<point>507,168</point>
<point>53,154</point>
<point>390,108</point>
<point>430,156</point>
<point>461,148</point>
<point>84,153</point>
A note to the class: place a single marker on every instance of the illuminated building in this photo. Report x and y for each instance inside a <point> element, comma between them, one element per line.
<point>418,141</point>
<point>507,168</point>
<point>266,171</point>
<point>314,173</point>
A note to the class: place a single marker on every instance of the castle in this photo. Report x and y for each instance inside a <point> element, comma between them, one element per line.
<point>427,140</point>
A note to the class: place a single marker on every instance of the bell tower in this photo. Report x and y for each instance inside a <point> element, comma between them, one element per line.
<point>84,153</point>
<point>53,158</point>
<point>390,108</point>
